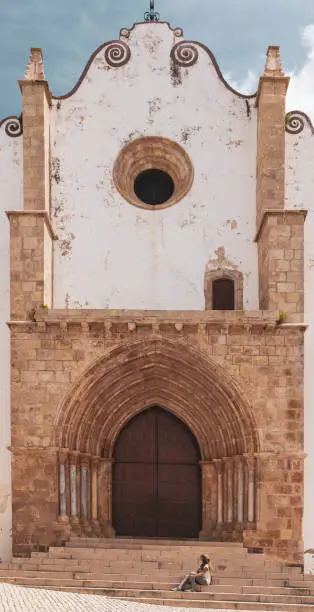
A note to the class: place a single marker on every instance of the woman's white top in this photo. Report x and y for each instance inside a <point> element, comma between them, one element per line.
<point>207,577</point>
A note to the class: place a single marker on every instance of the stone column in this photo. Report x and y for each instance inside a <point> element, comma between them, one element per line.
<point>220,501</point>
<point>240,516</point>
<point>229,483</point>
<point>84,488</point>
<point>78,487</point>
<point>250,460</point>
<point>271,108</point>
<point>63,464</point>
<point>31,232</point>
<point>281,278</point>
<point>105,497</point>
<point>209,498</point>
<point>95,463</point>
<point>73,486</point>
<point>235,468</point>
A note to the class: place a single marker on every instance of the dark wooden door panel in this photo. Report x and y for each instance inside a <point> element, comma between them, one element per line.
<point>176,444</point>
<point>137,440</point>
<point>179,499</point>
<point>156,478</point>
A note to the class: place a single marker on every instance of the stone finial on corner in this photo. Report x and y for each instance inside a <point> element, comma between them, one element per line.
<point>35,66</point>
<point>273,66</point>
<point>273,72</point>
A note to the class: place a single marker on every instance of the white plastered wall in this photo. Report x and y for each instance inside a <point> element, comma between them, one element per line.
<point>10,199</point>
<point>111,254</point>
<point>300,194</point>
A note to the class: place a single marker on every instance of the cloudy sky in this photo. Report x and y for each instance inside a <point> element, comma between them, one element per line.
<point>237,31</point>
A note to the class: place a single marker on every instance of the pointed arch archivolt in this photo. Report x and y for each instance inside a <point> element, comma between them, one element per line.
<point>176,376</point>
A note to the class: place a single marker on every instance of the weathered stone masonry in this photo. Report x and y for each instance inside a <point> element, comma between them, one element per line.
<point>61,405</point>
<point>235,378</point>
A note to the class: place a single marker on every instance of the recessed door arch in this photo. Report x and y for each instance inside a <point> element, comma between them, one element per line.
<point>156,478</point>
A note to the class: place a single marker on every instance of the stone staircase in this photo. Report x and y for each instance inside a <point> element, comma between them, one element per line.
<point>146,570</point>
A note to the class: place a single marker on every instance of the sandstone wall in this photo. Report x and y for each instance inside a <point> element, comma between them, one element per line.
<point>299,195</point>
<point>50,359</point>
<point>10,198</point>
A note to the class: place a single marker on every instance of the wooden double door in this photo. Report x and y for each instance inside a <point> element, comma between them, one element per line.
<point>156,478</point>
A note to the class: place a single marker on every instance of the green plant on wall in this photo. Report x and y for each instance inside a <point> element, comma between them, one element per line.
<point>281,318</point>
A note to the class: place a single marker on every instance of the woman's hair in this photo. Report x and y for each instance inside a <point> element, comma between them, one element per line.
<point>204,560</point>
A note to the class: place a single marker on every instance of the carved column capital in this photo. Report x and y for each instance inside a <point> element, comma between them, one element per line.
<point>238,460</point>
<point>95,461</point>
<point>73,457</point>
<point>84,460</point>
<point>218,465</point>
<point>228,462</point>
<point>250,461</point>
<point>63,456</point>
<point>206,466</point>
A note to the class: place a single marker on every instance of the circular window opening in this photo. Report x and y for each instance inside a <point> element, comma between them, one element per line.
<point>154,187</point>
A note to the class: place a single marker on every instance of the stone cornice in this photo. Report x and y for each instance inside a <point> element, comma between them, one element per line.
<point>277,212</point>
<point>38,213</point>
<point>154,316</point>
<point>274,79</point>
<point>43,83</point>
<point>291,454</point>
<point>15,450</point>
<point>178,323</point>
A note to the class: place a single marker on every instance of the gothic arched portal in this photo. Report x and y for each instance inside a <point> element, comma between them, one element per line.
<point>197,393</point>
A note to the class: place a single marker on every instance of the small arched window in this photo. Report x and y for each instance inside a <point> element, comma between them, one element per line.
<point>223,289</point>
<point>223,294</point>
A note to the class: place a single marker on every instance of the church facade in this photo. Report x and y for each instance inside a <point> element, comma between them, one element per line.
<point>157,297</point>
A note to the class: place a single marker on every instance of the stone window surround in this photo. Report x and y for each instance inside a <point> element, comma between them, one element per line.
<point>153,152</point>
<point>224,273</point>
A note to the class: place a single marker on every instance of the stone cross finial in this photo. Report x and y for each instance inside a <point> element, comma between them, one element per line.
<point>35,66</point>
<point>273,63</point>
<point>221,261</point>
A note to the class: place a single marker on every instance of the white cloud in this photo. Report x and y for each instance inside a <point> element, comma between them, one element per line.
<point>301,89</point>
<point>248,85</point>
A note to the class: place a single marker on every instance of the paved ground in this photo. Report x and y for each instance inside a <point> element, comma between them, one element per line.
<point>19,599</point>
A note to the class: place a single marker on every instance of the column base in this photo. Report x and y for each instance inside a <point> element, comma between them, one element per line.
<point>86,528</point>
<point>76,527</point>
<point>96,528</point>
<point>62,531</point>
<point>206,535</point>
<point>107,530</point>
<point>63,520</point>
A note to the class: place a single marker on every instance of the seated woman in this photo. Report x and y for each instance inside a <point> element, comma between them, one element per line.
<point>203,576</point>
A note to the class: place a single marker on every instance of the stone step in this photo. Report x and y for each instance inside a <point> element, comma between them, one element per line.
<point>172,570</point>
<point>150,554</point>
<point>237,604</point>
<point>146,570</point>
<point>158,552</point>
<point>134,594</point>
<point>150,543</point>
<point>118,553</point>
<point>101,582</point>
<point>210,596</point>
<point>160,575</point>
<point>168,557</point>
<point>226,605</point>
<point>154,569</point>
<point>105,561</point>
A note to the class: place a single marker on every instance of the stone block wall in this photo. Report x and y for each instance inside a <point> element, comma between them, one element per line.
<point>281,261</point>
<point>54,355</point>
<point>30,262</point>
